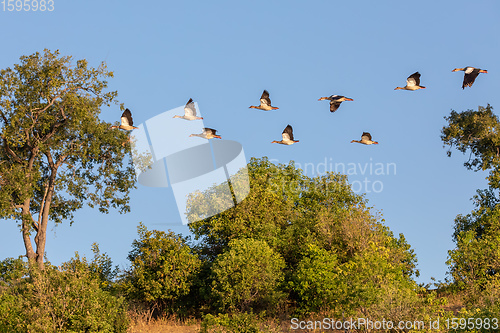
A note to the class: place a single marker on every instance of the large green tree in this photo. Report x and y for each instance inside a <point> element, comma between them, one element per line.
<point>56,154</point>
<point>475,262</point>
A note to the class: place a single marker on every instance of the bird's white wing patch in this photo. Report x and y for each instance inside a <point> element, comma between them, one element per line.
<point>469,70</point>
<point>410,81</point>
<point>190,110</point>
<point>125,121</point>
<point>285,136</point>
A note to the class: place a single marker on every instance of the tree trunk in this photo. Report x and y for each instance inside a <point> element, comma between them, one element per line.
<point>26,221</point>
<point>41,236</point>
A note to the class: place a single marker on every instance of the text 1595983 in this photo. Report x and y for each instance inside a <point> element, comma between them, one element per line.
<point>27,5</point>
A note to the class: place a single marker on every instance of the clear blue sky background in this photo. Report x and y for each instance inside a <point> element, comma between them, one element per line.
<point>224,53</point>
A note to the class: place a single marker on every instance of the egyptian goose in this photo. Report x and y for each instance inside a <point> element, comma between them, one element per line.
<point>189,111</point>
<point>126,121</point>
<point>265,103</point>
<point>287,137</point>
<point>366,139</point>
<point>470,74</point>
<point>335,101</point>
<point>412,82</point>
<point>208,133</point>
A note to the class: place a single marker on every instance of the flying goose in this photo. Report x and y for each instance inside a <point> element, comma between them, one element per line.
<point>265,103</point>
<point>126,121</point>
<point>208,133</point>
<point>412,82</point>
<point>366,139</point>
<point>189,111</point>
<point>470,74</point>
<point>335,101</point>
<point>287,137</point>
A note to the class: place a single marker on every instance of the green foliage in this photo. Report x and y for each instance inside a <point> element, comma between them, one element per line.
<point>475,262</point>
<point>100,268</point>
<point>247,275</point>
<point>163,269</point>
<point>56,153</point>
<point>338,257</point>
<point>270,199</point>
<point>477,132</point>
<point>315,280</point>
<point>12,270</point>
<point>65,300</point>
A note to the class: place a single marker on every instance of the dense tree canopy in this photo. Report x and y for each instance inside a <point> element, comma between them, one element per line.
<point>337,255</point>
<point>56,153</point>
<point>476,132</point>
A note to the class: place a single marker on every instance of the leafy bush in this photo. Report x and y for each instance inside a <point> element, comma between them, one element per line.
<point>53,300</point>
<point>315,280</point>
<point>247,275</point>
<point>163,269</point>
<point>12,270</point>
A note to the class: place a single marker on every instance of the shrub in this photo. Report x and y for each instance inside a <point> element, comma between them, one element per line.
<point>248,275</point>
<point>61,301</point>
<point>163,270</point>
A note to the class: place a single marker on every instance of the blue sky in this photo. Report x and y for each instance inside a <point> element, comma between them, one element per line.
<point>224,53</point>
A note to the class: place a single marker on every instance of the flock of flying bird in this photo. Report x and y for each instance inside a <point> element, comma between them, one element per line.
<point>412,83</point>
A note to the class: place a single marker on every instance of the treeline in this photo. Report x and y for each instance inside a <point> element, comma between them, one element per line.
<point>296,246</point>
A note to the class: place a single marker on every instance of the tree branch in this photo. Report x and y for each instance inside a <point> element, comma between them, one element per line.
<point>49,159</point>
<point>53,130</point>
<point>10,151</point>
<point>42,204</point>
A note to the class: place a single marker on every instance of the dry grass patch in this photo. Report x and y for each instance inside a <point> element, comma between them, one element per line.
<point>142,321</point>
